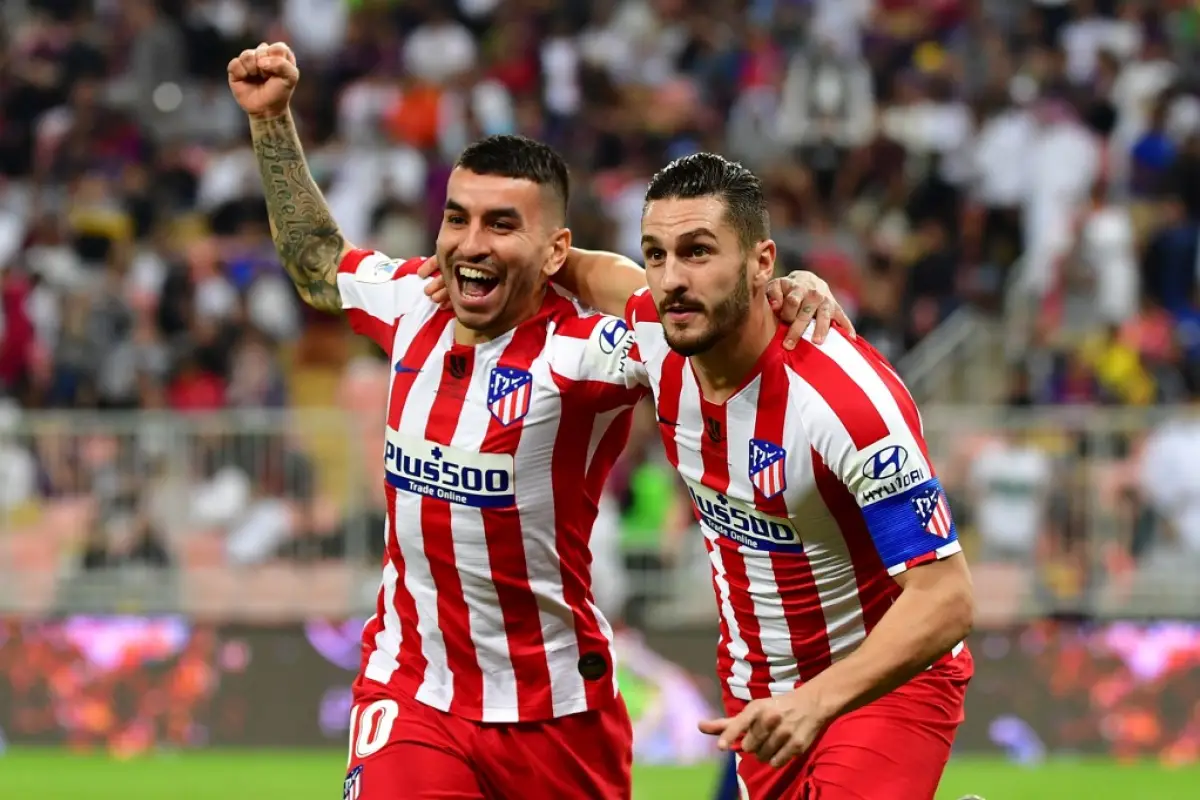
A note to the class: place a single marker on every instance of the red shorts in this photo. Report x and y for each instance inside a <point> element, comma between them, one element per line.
<point>893,749</point>
<point>401,749</point>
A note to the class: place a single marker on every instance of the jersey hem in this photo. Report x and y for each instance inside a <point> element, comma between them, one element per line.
<point>577,704</point>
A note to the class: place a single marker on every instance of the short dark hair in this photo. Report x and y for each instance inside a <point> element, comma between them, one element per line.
<point>510,156</point>
<point>708,174</point>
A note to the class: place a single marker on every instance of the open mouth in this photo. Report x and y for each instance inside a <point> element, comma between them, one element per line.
<point>475,283</point>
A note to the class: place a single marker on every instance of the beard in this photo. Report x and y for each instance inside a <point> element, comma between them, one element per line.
<point>721,321</point>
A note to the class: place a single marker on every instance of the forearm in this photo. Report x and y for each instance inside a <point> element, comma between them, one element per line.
<point>604,281</point>
<point>308,241</point>
<point>923,624</point>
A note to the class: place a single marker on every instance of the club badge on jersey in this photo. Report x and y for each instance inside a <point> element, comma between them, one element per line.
<point>933,511</point>
<point>509,393</point>
<point>768,467</point>
<point>352,786</point>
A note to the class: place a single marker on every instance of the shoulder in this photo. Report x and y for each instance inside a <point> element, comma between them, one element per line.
<point>370,266</point>
<point>845,385</point>
<point>641,308</point>
<point>839,358</point>
<point>591,345</point>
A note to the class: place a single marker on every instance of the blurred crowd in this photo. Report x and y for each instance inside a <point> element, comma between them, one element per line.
<point>1040,156</point>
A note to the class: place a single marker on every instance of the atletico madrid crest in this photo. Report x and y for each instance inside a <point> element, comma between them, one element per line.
<point>933,511</point>
<point>352,786</point>
<point>509,391</point>
<point>768,467</point>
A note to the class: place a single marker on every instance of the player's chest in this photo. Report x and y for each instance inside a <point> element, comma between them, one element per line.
<point>749,470</point>
<point>481,398</point>
<point>754,467</point>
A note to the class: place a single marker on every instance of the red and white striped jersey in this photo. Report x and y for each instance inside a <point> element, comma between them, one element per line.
<point>495,459</point>
<point>813,488</point>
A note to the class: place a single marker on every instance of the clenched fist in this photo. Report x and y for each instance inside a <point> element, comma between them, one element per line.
<point>263,79</point>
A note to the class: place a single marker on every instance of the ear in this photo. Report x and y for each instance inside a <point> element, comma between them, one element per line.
<point>763,268</point>
<point>560,248</point>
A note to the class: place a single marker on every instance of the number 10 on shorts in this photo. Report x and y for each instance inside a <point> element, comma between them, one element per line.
<point>371,728</point>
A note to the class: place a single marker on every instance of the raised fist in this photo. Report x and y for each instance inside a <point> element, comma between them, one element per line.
<point>263,79</point>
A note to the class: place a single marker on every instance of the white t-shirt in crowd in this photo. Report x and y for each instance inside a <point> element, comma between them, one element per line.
<point>1170,480</point>
<point>1010,483</point>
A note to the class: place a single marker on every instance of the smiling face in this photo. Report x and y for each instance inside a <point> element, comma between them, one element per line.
<point>498,245</point>
<point>701,277</point>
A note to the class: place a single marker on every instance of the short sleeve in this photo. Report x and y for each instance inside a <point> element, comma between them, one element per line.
<point>639,310</point>
<point>377,291</point>
<point>593,354</point>
<point>864,427</point>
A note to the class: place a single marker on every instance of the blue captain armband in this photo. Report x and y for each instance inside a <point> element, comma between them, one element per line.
<point>912,526</point>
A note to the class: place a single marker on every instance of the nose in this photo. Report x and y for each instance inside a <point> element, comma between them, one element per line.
<point>673,276</point>
<point>474,244</point>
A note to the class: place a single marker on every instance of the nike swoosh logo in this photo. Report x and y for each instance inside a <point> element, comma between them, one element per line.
<point>668,422</point>
<point>402,369</point>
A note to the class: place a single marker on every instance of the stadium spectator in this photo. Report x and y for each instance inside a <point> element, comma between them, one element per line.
<point>924,157</point>
<point>1010,481</point>
<point>1169,483</point>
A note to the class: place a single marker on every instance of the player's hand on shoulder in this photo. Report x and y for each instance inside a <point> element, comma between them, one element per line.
<point>801,297</point>
<point>435,288</point>
<point>263,78</point>
<point>774,729</point>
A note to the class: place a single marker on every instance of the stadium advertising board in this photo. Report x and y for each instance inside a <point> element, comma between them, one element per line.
<point>134,683</point>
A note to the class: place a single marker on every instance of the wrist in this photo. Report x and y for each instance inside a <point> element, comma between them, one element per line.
<point>271,115</point>
<point>829,699</point>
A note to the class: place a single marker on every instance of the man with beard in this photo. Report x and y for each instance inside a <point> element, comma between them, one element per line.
<point>844,597</point>
<point>487,670</point>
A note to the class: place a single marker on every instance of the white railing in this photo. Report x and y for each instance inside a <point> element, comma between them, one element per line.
<point>1022,304</point>
<point>276,515</point>
<point>954,363</point>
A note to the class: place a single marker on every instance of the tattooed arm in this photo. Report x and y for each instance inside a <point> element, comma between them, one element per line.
<point>309,243</point>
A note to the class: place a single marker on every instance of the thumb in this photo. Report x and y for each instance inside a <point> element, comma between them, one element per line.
<point>714,727</point>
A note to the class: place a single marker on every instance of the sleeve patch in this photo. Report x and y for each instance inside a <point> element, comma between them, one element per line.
<point>886,469</point>
<point>368,266</point>
<point>608,348</point>
<point>911,523</point>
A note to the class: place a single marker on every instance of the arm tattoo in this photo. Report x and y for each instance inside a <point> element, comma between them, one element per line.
<point>308,241</point>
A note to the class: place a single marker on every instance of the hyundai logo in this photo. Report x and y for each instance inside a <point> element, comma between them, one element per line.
<point>885,463</point>
<point>611,334</point>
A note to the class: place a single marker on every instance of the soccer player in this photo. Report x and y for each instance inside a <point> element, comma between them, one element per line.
<point>844,598</point>
<point>487,669</point>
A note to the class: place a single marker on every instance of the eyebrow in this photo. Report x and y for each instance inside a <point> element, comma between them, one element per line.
<point>695,233</point>
<point>491,213</point>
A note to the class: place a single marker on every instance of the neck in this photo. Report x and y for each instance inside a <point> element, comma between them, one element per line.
<point>471,337</point>
<point>721,369</point>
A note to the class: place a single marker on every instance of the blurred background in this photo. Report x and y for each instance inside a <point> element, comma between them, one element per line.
<point>1005,195</point>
